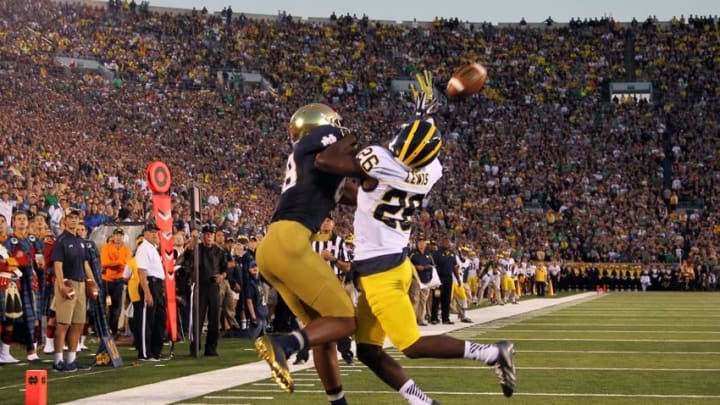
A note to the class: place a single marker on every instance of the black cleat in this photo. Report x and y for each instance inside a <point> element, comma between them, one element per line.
<point>274,355</point>
<point>78,366</point>
<point>348,357</point>
<point>505,366</point>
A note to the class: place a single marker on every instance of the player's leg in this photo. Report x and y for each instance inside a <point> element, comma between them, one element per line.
<point>300,275</point>
<point>385,305</point>
<point>328,369</point>
<point>315,295</point>
<point>386,308</point>
<point>499,355</point>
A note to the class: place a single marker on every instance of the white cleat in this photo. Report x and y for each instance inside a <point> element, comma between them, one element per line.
<point>5,356</point>
<point>49,346</point>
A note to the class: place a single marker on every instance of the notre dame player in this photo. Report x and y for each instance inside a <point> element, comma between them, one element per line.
<point>394,182</point>
<point>287,261</point>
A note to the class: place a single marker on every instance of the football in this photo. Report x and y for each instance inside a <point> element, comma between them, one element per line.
<point>467,80</point>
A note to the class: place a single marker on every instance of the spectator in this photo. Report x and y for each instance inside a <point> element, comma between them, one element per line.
<point>255,303</point>
<point>72,272</point>
<point>114,257</point>
<point>183,282</point>
<point>224,242</point>
<point>131,276</point>
<point>539,109</point>
<point>420,295</point>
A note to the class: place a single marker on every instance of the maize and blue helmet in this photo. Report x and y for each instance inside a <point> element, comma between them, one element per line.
<point>417,143</point>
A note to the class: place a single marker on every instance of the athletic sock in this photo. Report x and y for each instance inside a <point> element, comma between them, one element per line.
<point>293,342</point>
<point>413,394</point>
<point>336,396</point>
<point>338,401</point>
<point>485,353</point>
<point>71,357</point>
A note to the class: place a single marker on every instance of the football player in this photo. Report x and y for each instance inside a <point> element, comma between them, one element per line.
<point>394,182</point>
<point>287,261</point>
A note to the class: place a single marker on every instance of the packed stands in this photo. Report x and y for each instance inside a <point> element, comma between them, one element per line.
<point>541,160</point>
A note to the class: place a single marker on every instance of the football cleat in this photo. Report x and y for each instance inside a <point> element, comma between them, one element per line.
<point>274,355</point>
<point>505,367</point>
<point>78,366</point>
<point>348,357</point>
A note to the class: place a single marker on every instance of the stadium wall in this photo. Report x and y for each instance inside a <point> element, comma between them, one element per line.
<point>541,25</point>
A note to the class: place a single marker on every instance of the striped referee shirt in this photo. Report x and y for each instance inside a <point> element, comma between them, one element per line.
<point>336,245</point>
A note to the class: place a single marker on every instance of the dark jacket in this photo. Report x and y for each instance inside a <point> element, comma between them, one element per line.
<point>212,262</point>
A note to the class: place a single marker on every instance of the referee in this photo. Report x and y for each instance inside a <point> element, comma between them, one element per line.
<point>331,247</point>
<point>152,295</point>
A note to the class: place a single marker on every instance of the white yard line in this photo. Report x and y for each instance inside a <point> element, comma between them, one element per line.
<point>619,340</point>
<point>498,394</point>
<point>654,353</point>
<point>196,385</point>
<point>696,332</point>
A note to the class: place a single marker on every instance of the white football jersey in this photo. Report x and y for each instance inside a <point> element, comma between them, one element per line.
<point>383,215</point>
<point>506,264</point>
<point>464,265</point>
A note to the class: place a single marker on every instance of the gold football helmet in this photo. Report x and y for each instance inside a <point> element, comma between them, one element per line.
<point>311,116</point>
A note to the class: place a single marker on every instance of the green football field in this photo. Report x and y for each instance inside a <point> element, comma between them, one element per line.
<point>621,348</point>
<point>618,348</point>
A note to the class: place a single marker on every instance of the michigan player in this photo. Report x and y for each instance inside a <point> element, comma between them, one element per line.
<point>394,182</point>
<point>287,261</point>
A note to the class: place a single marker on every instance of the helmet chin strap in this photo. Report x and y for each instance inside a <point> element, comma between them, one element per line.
<point>343,129</point>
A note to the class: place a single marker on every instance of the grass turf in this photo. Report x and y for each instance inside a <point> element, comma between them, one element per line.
<point>622,348</point>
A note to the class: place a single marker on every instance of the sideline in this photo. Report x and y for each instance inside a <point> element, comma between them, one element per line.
<point>195,385</point>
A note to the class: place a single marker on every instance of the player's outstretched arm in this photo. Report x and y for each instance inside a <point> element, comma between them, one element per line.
<point>339,158</point>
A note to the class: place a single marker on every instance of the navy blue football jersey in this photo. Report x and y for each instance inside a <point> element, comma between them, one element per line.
<point>308,194</point>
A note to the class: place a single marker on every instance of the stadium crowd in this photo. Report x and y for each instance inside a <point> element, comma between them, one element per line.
<point>540,161</point>
<point>541,165</point>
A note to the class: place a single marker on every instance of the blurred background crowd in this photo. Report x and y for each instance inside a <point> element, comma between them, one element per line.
<point>540,160</point>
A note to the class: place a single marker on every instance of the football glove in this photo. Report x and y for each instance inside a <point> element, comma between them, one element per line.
<point>425,101</point>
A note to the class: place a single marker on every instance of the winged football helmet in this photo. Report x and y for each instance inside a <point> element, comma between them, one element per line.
<point>417,143</point>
